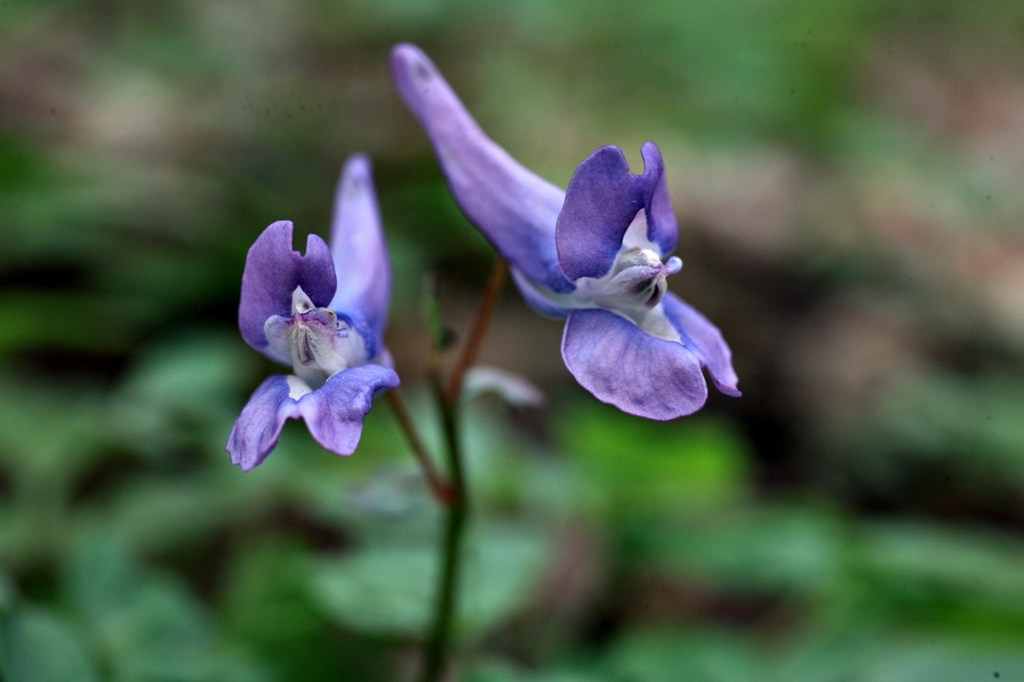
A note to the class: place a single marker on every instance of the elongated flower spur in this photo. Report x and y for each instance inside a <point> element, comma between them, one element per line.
<point>592,254</point>
<point>324,315</point>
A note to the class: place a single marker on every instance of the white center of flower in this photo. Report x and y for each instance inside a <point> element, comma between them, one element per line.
<point>318,343</point>
<point>297,387</point>
<point>636,281</point>
<point>633,287</point>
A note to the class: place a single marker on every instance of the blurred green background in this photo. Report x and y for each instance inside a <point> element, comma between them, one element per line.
<point>847,177</point>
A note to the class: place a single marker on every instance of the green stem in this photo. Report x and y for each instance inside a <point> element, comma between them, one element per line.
<point>458,510</point>
<point>437,653</point>
<point>441,489</point>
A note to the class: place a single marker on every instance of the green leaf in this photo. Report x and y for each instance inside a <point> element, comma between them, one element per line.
<point>500,671</point>
<point>704,656</point>
<point>391,588</point>
<point>49,431</point>
<point>39,646</point>
<point>8,592</point>
<point>944,662</point>
<point>103,322</point>
<point>150,625</point>
<point>953,580</point>
<point>267,603</point>
<point>719,656</point>
<point>645,467</point>
<point>760,549</point>
<point>195,373</point>
<point>101,579</point>
<point>381,589</point>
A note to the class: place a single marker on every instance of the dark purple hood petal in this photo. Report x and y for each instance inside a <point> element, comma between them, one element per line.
<point>515,209</point>
<point>360,253</point>
<point>601,202</point>
<point>706,342</point>
<point>259,426</point>
<point>272,272</point>
<point>622,365</point>
<point>334,412</point>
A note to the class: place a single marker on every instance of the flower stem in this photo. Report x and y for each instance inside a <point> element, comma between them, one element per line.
<point>483,317</point>
<point>436,660</point>
<point>437,652</point>
<point>441,488</point>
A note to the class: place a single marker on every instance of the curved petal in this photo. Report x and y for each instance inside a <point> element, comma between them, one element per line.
<point>601,202</point>
<point>662,226</point>
<point>705,341</point>
<point>259,426</point>
<point>272,272</point>
<point>535,299</point>
<point>622,365</point>
<point>360,253</point>
<point>334,412</point>
<point>515,209</point>
<point>603,199</point>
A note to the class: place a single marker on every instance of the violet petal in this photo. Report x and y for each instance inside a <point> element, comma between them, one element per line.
<point>601,202</point>
<point>272,272</point>
<point>334,412</point>
<point>360,254</point>
<point>705,341</point>
<point>662,226</point>
<point>534,299</point>
<point>515,209</point>
<point>622,365</point>
<point>259,426</point>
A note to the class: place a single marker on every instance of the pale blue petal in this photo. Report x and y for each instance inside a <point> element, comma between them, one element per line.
<point>360,253</point>
<point>662,226</point>
<point>259,426</point>
<point>624,366</point>
<point>706,342</point>
<point>334,412</point>
<point>533,297</point>
<point>515,209</point>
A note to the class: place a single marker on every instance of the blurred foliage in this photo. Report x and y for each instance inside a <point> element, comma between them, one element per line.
<point>846,176</point>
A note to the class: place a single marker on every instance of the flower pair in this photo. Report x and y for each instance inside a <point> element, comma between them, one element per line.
<point>592,255</point>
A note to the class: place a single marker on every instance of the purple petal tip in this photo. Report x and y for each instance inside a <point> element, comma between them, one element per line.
<point>357,169</point>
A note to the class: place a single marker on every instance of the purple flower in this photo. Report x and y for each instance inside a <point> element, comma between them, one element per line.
<point>324,315</point>
<point>592,254</point>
